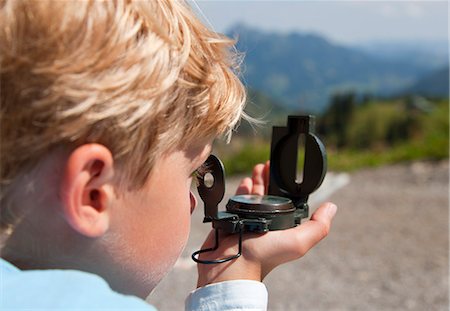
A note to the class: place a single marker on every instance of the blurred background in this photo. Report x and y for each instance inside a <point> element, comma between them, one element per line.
<point>376,76</point>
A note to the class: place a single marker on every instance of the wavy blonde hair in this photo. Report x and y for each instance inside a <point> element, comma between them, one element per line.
<point>140,77</point>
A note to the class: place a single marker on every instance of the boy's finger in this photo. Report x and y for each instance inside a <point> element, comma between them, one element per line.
<point>258,179</point>
<point>245,187</point>
<point>266,176</point>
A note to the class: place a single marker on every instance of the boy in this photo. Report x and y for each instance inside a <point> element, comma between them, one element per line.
<point>107,110</point>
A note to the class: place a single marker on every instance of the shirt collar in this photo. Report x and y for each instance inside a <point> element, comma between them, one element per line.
<point>7,267</point>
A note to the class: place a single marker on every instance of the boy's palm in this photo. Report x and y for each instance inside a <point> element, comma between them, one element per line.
<point>261,253</point>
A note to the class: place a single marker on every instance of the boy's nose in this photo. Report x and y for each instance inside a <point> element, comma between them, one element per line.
<point>193,201</point>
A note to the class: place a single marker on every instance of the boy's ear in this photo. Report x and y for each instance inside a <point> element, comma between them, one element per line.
<point>86,189</point>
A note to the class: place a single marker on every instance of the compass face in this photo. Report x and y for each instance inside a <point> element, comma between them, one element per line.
<point>261,199</point>
<point>260,203</point>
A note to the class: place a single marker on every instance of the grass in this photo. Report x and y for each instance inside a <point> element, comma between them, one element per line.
<point>344,160</point>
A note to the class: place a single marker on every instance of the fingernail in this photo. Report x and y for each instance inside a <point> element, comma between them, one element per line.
<point>331,210</point>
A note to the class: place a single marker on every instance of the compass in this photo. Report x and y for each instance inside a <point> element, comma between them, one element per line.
<point>287,200</point>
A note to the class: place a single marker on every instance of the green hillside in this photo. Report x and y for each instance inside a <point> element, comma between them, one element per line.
<point>359,135</point>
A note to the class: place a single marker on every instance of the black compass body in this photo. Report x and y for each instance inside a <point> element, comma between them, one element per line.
<point>287,200</point>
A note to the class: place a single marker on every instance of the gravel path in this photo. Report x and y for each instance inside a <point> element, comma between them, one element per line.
<point>388,248</point>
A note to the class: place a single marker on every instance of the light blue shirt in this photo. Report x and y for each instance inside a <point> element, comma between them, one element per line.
<point>72,290</point>
<point>60,290</point>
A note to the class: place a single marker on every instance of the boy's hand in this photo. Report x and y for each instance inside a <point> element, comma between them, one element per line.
<point>261,253</point>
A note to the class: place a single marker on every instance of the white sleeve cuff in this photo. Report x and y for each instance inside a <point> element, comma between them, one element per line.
<point>229,295</point>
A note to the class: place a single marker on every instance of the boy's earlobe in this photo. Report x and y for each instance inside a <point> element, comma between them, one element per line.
<point>86,189</point>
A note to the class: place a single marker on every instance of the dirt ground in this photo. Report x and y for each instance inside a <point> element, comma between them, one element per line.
<point>388,249</point>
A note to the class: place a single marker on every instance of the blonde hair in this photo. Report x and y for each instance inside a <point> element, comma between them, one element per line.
<point>140,77</point>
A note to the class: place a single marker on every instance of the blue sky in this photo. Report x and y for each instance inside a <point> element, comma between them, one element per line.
<point>347,22</point>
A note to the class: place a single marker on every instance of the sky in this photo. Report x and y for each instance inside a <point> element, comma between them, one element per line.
<point>346,22</point>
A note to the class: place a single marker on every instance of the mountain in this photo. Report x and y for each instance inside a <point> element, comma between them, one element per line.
<point>303,70</point>
<point>430,53</point>
<point>433,84</point>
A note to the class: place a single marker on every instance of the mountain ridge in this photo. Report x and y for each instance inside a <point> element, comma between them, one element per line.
<point>302,70</point>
